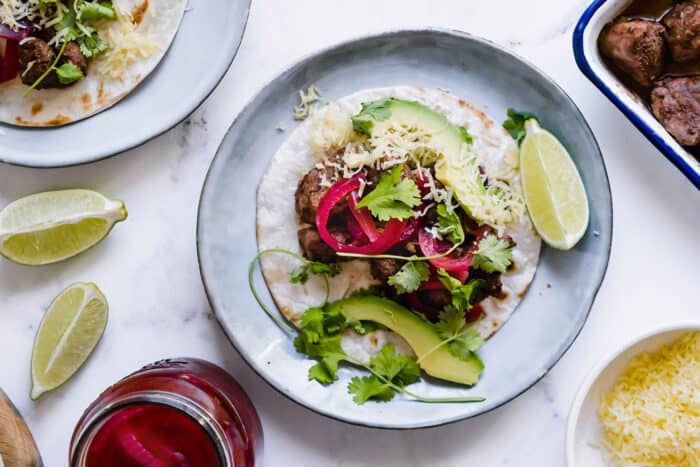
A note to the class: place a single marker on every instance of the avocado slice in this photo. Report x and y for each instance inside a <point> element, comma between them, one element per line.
<point>448,138</point>
<point>419,333</point>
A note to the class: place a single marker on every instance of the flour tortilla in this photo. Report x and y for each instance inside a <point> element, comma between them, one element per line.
<point>277,223</point>
<point>157,19</point>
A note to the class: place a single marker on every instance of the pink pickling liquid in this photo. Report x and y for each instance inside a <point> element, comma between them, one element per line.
<point>151,435</point>
<point>163,416</point>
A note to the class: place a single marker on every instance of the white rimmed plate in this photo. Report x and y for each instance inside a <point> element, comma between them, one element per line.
<point>188,73</point>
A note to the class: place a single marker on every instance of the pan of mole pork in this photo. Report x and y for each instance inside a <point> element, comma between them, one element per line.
<point>645,57</point>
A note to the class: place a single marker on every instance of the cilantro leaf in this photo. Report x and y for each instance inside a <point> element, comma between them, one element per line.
<point>392,198</point>
<point>320,334</point>
<point>463,340</point>
<point>371,112</point>
<point>409,277</point>
<point>326,370</point>
<point>398,368</point>
<point>493,255</point>
<point>462,294</point>
<point>69,73</point>
<point>301,274</point>
<point>92,45</point>
<point>449,225</point>
<point>369,388</point>
<point>392,371</point>
<point>515,124</point>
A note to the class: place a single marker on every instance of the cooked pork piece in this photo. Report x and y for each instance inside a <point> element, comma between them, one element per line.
<point>437,298</point>
<point>676,103</point>
<point>383,269</point>
<point>683,23</point>
<point>315,249</point>
<point>636,47</point>
<point>35,57</point>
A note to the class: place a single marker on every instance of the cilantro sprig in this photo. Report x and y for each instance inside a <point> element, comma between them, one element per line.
<point>515,124</point>
<point>461,339</point>
<point>400,257</point>
<point>371,112</point>
<point>462,294</point>
<point>493,255</point>
<point>299,275</point>
<point>449,225</point>
<point>392,198</point>
<point>409,277</point>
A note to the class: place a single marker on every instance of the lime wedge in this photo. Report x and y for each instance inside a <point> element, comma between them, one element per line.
<point>69,332</point>
<point>554,192</point>
<point>49,227</point>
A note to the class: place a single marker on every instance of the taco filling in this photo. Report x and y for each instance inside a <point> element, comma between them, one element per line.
<point>63,60</point>
<point>405,208</point>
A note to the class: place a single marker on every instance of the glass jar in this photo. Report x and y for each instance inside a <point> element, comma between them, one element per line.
<point>179,412</point>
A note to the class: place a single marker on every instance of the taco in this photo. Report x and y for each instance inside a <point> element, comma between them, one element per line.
<point>410,194</point>
<point>65,60</point>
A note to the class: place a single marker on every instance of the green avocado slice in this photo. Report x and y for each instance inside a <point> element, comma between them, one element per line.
<point>376,116</point>
<point>420,335</point>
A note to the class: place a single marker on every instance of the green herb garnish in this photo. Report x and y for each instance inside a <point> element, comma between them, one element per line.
<point>515,124</point>
<point>462,294</point>
<point>376,111</point>
<point>493,255</point>
<point>392,198</point>
<point>409,277</point>
<point>449,225</point>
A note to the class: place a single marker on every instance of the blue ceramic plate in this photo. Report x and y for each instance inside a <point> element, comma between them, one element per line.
<point>589,61</point>
<point>180,83</point>
<point>560,298</point>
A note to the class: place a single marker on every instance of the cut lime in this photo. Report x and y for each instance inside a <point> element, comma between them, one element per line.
<point>49,227</point>
<point>555,195</point>
<point>69,332</point>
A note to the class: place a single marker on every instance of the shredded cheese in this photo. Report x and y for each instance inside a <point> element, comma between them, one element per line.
<point>331,129</point>
<point>651,416</point>
<point>312,95</point>
<point>127,45</point>
<point>495,204</point>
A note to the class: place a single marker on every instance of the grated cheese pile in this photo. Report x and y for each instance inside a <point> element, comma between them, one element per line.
<point>127,45</point>
<point>651,416</point>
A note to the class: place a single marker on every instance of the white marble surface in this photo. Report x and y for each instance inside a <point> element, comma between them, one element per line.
<point>148,266</point>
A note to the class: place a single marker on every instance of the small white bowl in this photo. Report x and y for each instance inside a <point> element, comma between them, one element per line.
<point>584,431</point>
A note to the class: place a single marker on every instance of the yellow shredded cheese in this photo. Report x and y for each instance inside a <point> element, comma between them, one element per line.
<point>331,129</point>
<point>651,416</point>
<point>307,98</point>
<point>496,204</point>
<point>127,45</point>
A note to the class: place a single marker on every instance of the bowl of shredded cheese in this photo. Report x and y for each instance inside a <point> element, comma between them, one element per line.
<point>641,406</point>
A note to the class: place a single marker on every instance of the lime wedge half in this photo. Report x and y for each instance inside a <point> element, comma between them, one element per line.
<point>554,192</point>
<point>68,333</point>
<point>49,227</point>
